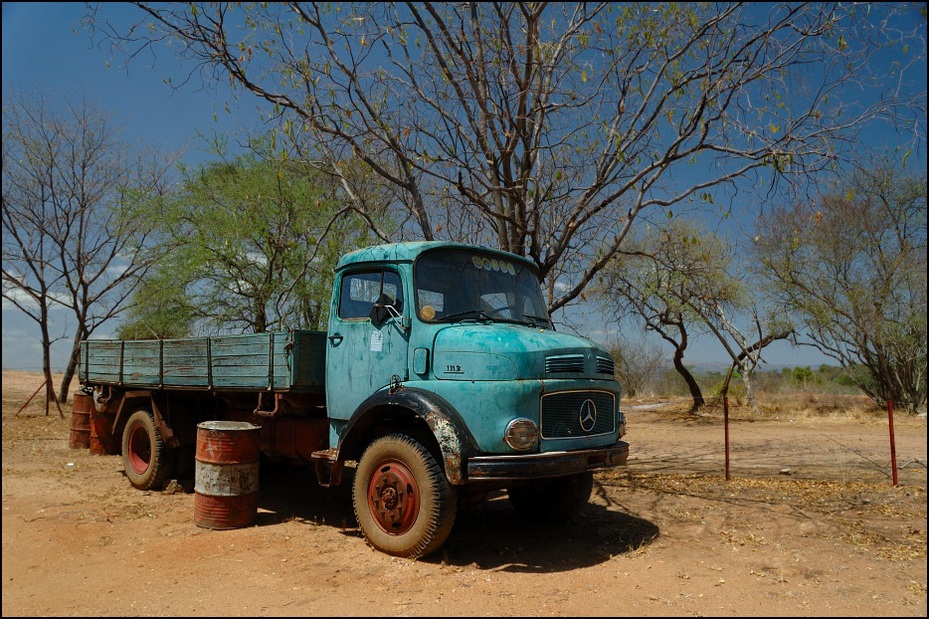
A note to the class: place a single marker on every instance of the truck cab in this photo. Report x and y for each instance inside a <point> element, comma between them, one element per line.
<point>452,346</point>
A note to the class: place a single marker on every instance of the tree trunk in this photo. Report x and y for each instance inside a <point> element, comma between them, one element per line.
<point>47,366</point>
<point>679,348</point>
<point>69,375</point>
<point>81,333</point>
<point>692,385</point>
<point>749,391</point>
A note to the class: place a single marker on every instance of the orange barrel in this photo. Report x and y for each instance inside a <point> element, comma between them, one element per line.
<point>101,432</point>
<point>226,475</point>
<point>80,421</point>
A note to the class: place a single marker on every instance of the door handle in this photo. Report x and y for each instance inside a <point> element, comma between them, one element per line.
<point>335,339</point>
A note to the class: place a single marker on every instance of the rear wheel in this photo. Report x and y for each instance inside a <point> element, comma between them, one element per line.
<point>147,460</point>
<point>553,500</point>
<point>402,499</point>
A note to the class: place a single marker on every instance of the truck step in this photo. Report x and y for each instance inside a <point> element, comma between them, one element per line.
<point>328,471</point>
<point>325,454</point>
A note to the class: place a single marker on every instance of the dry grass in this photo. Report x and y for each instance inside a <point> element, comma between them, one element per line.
<point>804,406</point>
<point>837,507</point>
<point>798,407</point>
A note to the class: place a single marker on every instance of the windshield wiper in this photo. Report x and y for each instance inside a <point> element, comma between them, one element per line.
<point>471,313</point>
<point>539,320</point>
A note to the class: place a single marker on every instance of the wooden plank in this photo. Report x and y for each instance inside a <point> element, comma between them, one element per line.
<point>103,361</point>
<point>142,363</point>
<point>290,360</point>
<point>185,362</point>
<point>241,361</point>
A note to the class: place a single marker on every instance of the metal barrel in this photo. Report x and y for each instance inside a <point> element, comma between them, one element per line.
<point>226,475</point>
<point>80,421</point>
<point>101,431</point>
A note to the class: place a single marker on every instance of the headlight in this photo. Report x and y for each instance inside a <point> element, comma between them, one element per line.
<point>521,434</point>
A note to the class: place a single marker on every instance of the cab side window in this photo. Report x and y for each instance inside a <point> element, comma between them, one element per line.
<point>360,291</point>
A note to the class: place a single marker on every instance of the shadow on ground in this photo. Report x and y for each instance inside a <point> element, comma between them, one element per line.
<point>492,537</point>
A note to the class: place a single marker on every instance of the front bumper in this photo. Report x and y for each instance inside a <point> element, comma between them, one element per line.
<point>551,464</point>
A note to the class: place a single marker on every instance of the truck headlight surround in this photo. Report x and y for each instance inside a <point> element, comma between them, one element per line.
<point>521,434</point>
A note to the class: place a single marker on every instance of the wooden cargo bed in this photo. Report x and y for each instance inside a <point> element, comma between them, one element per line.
<point>292,361</point>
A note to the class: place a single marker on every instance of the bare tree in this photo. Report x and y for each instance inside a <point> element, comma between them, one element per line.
<point>852,269</point>
<point>28,285</point>
<point>76,217</point>
<point>680,279</point>
<point>637,364</point>
<point>629,289</point>
<point>546,129</point>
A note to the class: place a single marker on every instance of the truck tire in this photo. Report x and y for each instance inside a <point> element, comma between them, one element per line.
<point>147,460</point>
<point>552,501</point>
<point>402,499</point>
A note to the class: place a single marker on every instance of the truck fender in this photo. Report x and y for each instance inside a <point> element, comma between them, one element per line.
<point>382,408</point>
<point>130,401</point>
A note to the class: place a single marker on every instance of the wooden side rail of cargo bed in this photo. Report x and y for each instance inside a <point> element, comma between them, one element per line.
<point>272,361</point>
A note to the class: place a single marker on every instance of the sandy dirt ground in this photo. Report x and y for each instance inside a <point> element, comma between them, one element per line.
<point>809,524</point>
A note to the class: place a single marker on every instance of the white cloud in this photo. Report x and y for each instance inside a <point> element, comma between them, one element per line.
<point>24,300</point>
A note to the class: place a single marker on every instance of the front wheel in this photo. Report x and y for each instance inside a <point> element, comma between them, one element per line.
<point>402,499</point>
<point>554,500</point>
<point>147,460</point>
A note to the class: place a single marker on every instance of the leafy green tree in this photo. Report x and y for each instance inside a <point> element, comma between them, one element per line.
<point>852,269</point>
<point>548,129</point>
<point>802,375</point>
<point>261,238</point>
<point>160,309</point>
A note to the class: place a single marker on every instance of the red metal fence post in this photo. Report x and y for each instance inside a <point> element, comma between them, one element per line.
<point>726,425</point>
<point>893,448</point>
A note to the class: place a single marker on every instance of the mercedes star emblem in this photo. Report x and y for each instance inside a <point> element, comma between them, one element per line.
<point>588,415</point>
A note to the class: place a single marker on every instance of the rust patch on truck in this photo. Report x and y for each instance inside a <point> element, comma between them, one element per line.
<point>447,437</point>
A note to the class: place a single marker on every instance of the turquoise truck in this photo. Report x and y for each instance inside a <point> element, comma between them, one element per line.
<point>440,378</point>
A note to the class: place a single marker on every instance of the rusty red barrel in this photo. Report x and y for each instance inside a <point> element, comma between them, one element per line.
<point>101,431</point>
<point>80,421</point>
<point>226,476</point>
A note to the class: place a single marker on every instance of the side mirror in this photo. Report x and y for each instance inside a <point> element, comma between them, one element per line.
<point>380,314</point>
<point>383,309</point>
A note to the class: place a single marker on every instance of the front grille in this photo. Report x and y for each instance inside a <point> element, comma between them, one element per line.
<point>564,364</point>
<point>561,414</point>
<point>605,365</point>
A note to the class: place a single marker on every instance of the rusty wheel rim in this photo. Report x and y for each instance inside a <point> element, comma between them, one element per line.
<point>140,450</point>
<point>393,497</point>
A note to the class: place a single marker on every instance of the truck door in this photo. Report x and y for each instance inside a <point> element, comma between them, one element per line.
<point>363,357</point>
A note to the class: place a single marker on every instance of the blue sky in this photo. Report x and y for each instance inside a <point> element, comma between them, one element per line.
<point>44,49</point>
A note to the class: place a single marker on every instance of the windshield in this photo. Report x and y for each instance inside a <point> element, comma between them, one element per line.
<point>458,284</point>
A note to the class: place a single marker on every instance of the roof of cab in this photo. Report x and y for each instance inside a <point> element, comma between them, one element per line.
<point>409,251</point>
